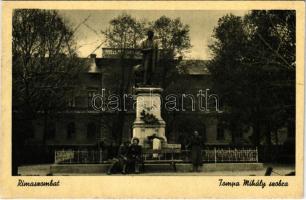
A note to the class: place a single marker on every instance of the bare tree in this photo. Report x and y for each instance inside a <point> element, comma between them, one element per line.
<point>46,70</point>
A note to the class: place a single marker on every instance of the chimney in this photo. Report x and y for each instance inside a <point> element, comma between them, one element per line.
<point>93,55</point>
<point>93,66</point>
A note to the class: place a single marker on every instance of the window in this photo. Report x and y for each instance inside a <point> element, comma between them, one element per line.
<point>91,130</point>
<point>51,129</point>
<point>91,93</point>
<point>204,136</point>
<point>70,130</point>
<point>220,132</point>
<point>71,102</point>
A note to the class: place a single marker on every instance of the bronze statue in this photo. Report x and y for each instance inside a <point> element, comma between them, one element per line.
<point>149,49</point>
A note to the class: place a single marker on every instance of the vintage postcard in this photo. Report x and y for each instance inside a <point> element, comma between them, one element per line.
<point>152,99</point>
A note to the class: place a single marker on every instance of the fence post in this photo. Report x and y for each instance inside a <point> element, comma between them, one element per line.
<point>256,154</point>
<point>78,155</point>
<point>100,155</point>
<point>215,154</point>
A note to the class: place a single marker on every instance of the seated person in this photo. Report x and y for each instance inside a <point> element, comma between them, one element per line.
<point>121,161</point>
<point>134,155</point>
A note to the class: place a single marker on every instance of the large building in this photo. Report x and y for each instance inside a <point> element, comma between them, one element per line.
<point>86,126</point>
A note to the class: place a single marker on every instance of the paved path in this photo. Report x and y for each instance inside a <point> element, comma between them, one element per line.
<point>278,168</point>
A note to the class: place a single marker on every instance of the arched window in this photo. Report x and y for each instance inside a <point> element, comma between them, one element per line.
<point>91,130</point>
<point>70,130</point>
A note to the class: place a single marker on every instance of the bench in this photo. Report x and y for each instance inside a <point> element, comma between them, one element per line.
<point>169,156</point>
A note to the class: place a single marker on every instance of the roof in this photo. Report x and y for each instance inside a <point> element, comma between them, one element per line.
<point>194,67</point>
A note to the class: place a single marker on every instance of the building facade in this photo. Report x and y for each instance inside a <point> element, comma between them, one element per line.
<point>89,123</point>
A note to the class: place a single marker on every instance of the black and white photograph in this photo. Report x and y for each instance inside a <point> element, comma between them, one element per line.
<point>154,93</point>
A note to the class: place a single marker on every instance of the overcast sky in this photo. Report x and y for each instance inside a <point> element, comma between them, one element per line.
<point>201,25</point>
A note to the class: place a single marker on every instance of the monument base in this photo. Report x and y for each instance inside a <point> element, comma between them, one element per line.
<point>143,131</point>
<point>148,107</point>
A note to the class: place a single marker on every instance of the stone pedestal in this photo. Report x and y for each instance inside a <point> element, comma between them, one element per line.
<point>148,100</point>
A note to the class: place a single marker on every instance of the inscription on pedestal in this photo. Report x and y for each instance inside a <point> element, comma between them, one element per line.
<point>148,102</point>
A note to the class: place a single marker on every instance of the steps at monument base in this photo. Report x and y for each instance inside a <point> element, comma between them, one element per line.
<point>54,169</point>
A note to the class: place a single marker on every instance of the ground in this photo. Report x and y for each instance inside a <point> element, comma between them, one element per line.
<point>278,169</point>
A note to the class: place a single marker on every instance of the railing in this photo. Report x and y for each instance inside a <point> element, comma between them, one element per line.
<point>79,157</point>
<point>225,155</point>
<point>215,155</point>
<point>130,53</point>
<point>116,52</point>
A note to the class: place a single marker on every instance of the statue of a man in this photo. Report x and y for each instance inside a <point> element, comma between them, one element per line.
<point>149,48</point>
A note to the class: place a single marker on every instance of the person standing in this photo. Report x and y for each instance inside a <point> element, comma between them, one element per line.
<point>196,144</point>
<point>134,154</point>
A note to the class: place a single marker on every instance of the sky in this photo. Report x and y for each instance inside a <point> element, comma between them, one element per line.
<point>89,37</point>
